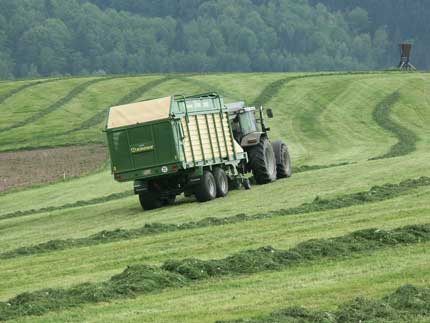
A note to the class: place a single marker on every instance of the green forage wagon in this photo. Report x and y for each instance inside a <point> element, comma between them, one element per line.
<point>177,144</point>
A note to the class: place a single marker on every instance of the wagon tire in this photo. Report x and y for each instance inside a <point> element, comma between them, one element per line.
<point>206,190</point>
<point>221,181</point>
<point>150,201</point>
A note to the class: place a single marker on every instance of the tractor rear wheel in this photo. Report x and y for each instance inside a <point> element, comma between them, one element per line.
<point>150,200</point>
<point>262,162</point>
<point>206,190</point>
<point>221,181</point>
<point>283,160</point>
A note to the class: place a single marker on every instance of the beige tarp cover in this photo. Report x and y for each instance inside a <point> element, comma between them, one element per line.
<point>140,112</point>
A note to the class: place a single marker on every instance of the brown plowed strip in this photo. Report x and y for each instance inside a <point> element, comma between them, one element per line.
<point>41,166</point>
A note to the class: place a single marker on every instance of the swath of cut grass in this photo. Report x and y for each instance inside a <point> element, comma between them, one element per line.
<point>141,279</point>
<point>407,138</point>
<point>307,168</point>
<point>375,194</point>
<point>407,304</point>
<point>97,200</point>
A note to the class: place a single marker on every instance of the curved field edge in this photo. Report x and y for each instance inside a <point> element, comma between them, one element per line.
<point>407,139</point>
<point>142,279</point>
<point>375,194</point>
<point>407,304</point>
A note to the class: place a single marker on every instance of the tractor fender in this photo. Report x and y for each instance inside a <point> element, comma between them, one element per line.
<point>251,139</point>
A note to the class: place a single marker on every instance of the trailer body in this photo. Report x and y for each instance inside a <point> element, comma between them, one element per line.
<point>171,141</point>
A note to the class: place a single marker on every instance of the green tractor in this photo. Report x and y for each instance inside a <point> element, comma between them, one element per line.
<point>267,161</point>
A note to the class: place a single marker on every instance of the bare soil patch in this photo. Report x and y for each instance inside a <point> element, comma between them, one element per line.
<point>41,166</point>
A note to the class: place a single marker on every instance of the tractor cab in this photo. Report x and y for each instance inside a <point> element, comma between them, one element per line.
<point>266,160</point>
<point>247,128</point>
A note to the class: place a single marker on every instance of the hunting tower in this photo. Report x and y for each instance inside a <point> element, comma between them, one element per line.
<point>405,55</point>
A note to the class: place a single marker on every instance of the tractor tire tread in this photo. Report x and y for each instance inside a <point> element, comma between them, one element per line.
<point>258,163</point>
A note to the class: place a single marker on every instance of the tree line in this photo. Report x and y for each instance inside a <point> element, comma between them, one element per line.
<point>404,21</point>
<point>80,37</point>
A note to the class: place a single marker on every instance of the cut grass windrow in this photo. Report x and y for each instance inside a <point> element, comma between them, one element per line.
<point>407,304</point>
<point>97,200</point>
<point>56,105</point>
<point>407,138</point>
<point>13,92</point>
<point>142,279</point>
<point>375,194</point>
<point>307,168</point>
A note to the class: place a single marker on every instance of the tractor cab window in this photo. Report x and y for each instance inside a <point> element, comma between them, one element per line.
<point>248,123</point>
<point>235,125</point>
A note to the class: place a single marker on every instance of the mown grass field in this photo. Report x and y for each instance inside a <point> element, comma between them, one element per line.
<point>326,119</point>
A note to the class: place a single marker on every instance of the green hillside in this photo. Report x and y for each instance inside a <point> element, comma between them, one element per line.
<point>360,146</point>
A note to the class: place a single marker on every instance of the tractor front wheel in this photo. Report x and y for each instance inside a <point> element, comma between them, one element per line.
<point>262,162</point>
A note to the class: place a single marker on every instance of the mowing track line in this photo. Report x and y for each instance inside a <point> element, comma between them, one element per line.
<point>275,87</point>
<point>21,88</point>
<point>98,117</point>
<point>55,106</point>
<point>407,138</point>
<point>129,98</point>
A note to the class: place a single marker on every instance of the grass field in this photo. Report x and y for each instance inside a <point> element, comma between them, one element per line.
<point>375,125</point>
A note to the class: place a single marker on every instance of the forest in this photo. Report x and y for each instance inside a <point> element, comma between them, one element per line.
<point>97,37</point>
